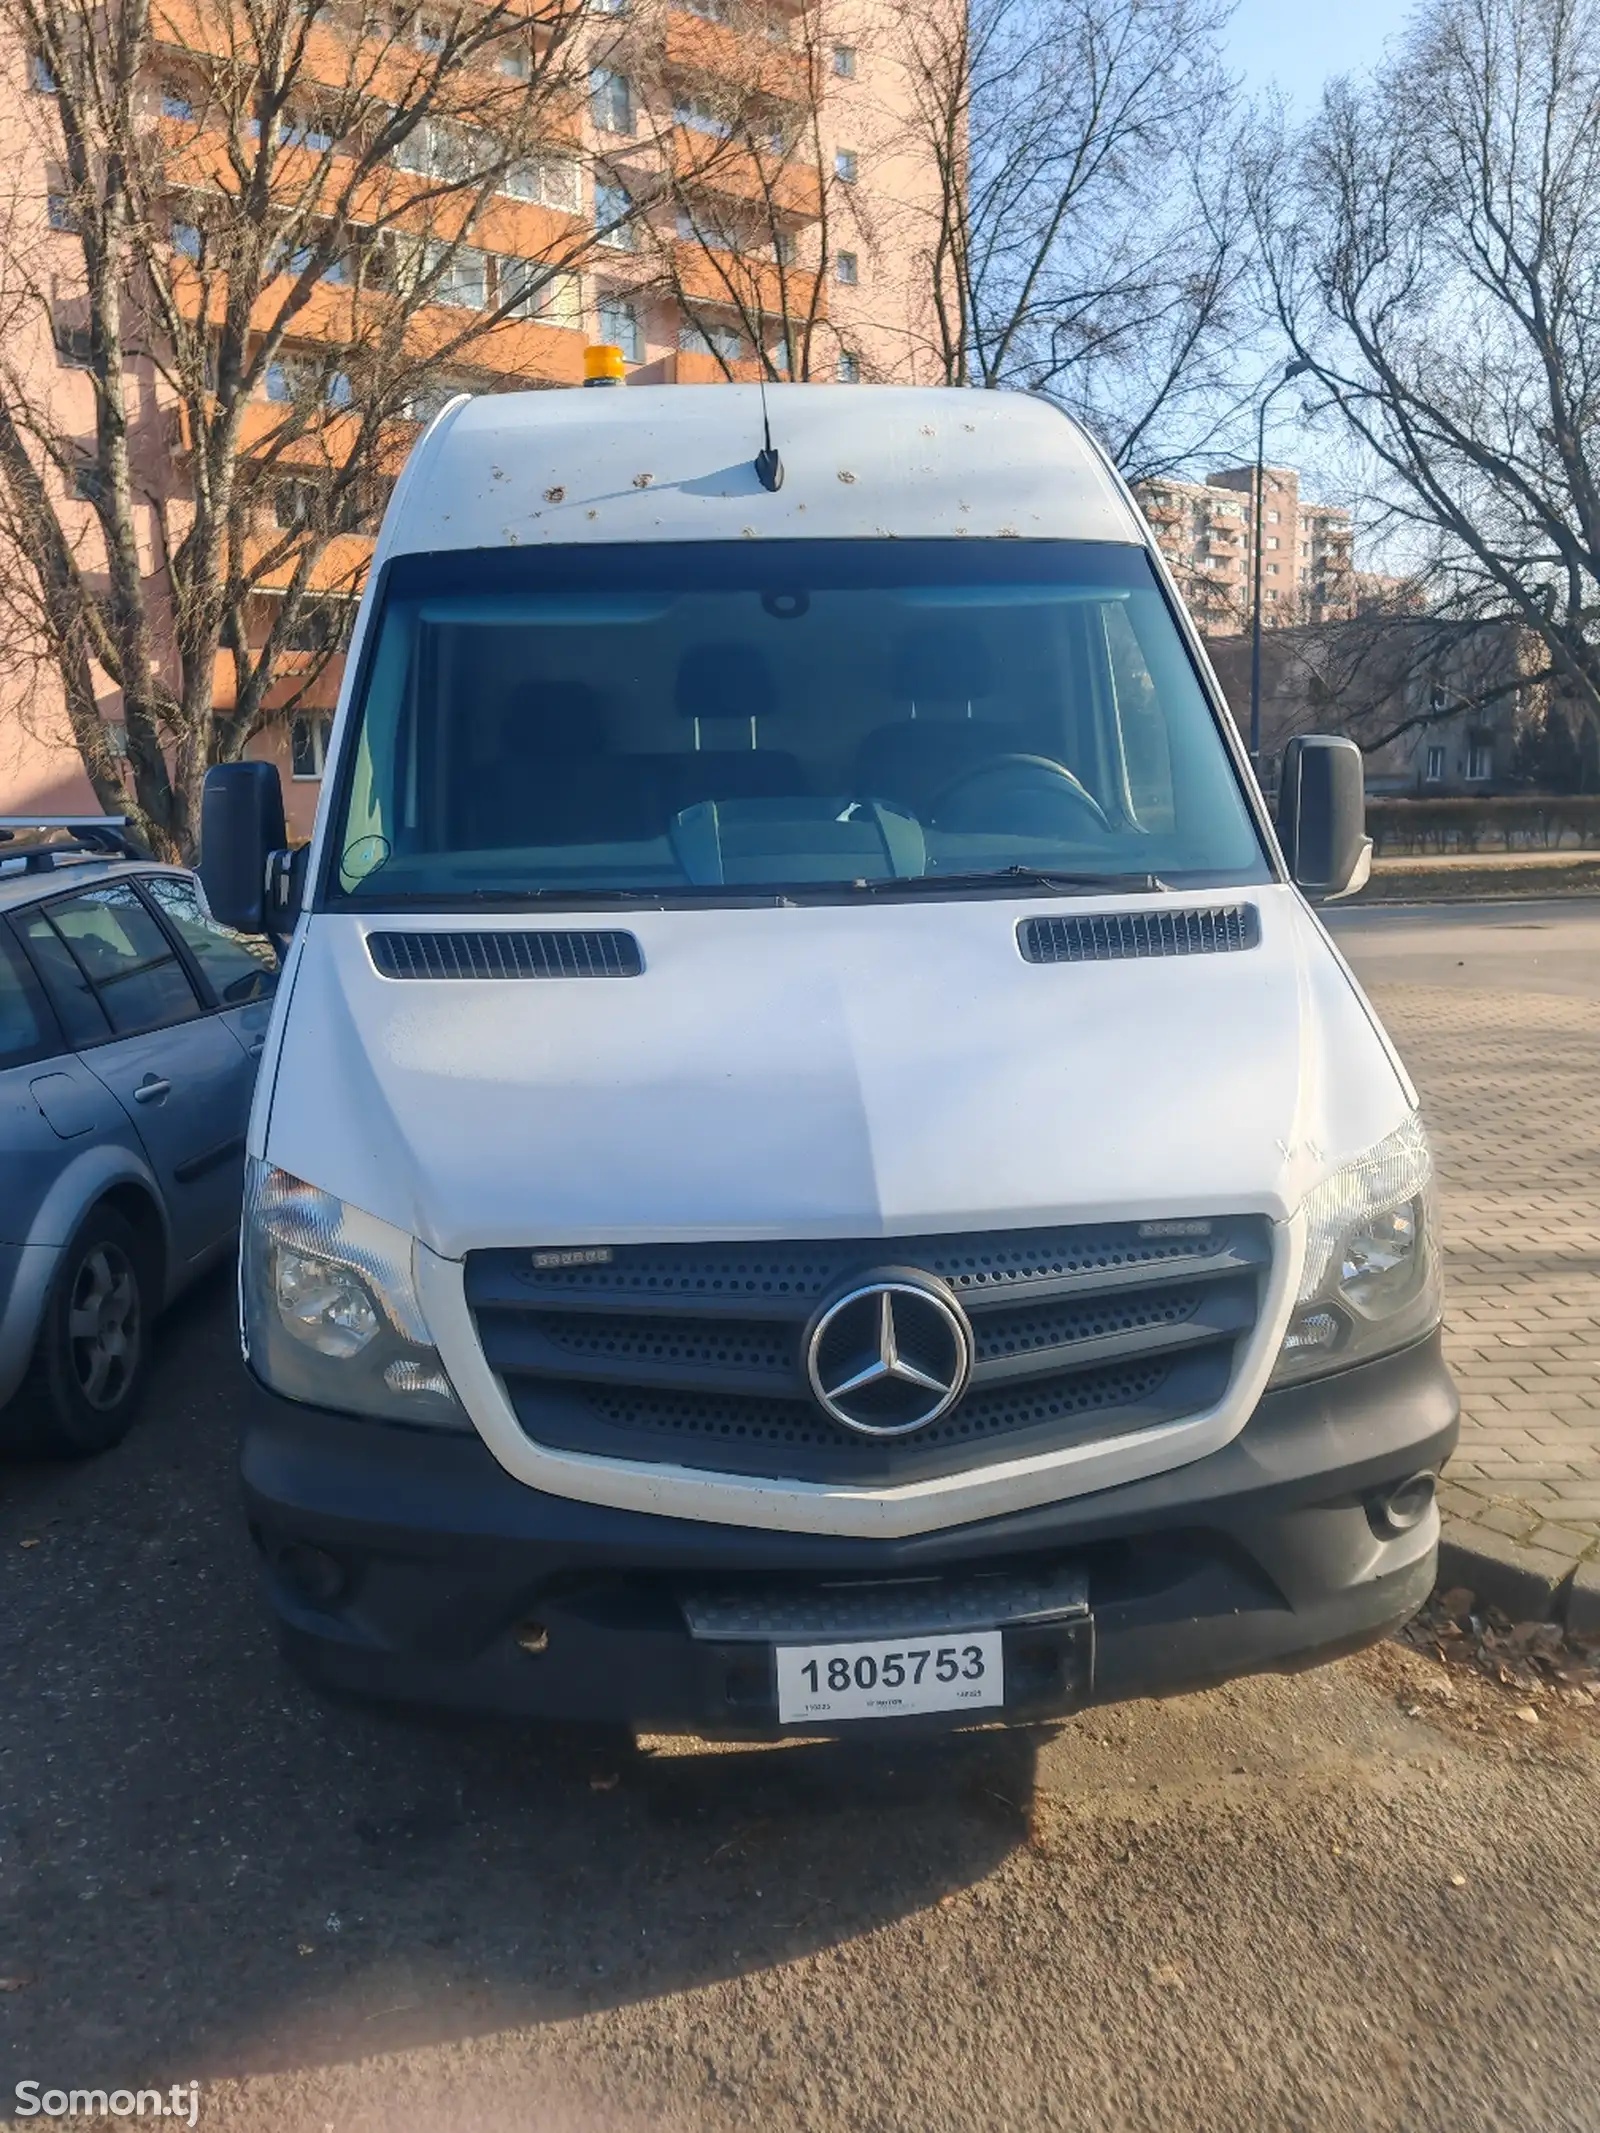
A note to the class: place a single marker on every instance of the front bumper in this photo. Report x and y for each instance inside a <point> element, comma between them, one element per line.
<point>406,1564</point>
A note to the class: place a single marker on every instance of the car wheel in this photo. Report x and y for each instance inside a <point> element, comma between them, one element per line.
<point>83,1388</point>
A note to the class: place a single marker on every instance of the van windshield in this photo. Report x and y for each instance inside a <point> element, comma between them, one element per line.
<point>811,717</point>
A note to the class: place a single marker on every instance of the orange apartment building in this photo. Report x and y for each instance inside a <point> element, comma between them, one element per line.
<point>678,274</point>
<point>1205,530</point>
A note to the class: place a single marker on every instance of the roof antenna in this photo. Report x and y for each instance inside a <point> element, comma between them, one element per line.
<point>769,467</point>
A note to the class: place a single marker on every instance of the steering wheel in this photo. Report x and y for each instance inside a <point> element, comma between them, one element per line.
<point>1049,786</point>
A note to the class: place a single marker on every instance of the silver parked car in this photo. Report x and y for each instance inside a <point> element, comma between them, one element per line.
<point>130,1028</point>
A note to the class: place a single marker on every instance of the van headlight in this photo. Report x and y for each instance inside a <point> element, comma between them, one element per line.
<point>1370,1282</point>
<point>330,1308</point>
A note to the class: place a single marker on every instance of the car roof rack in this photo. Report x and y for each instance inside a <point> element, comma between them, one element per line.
<point>70,837</point>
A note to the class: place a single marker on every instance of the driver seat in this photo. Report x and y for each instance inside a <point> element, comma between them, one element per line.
<point>942,672</point>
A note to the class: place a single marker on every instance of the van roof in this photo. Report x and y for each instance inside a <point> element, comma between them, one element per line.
<point>677,463</point>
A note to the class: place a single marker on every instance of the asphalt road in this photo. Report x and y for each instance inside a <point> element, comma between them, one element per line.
<point>1550,947</point>
<point>1367,1897</point>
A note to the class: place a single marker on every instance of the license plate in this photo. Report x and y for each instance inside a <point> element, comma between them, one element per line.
<point>890,1677</point>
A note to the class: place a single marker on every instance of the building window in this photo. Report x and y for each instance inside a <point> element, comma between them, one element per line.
<point>1433,773</point>
<point>308,746</point>
<point>613,210</point>
<point>88,483</point>
<point>429,36</point>
<point>1480,761</point>
<point>294,504</point>
<point>551,181</point>
<point>1272,518</point>
<point>460,277</point>
<point>516,63</point>
<point>1272,540</point>
<point>40,79</point>
<point>699,115</point>
<point>186,239</point>
<point>176,103</point>
<point>312,133</point>
<point>293,378</point>
<point>846,268</point>
<point>611,98</point>
<point>530,290</point>
<point>619,325</point>
<point>58,210</point>
<point>844,61</point>
<point>785,247</point>
<point>846,167</point>
<point>74,346</point>
<point>849,369</point>
<point>713,340</point>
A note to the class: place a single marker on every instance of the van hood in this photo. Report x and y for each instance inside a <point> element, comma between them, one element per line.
<point>862,1070</point>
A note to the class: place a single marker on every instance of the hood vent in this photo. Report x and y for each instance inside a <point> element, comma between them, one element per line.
<point>1115,936</point>
<point>505,955</point>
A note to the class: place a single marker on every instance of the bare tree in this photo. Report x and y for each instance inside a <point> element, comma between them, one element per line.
<point>1087,237</point>
<point>267,237</point>
<point>733,207</point>
<point>1432,242</point>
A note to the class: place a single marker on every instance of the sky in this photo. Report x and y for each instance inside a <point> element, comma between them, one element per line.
<point>1297,44</point>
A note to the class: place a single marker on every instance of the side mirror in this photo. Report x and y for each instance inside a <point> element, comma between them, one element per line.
<point>1322,816</point>
<point>243,838</point>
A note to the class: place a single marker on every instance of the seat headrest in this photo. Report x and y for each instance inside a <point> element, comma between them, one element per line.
<point>723,681</point>
<point>942,662</point>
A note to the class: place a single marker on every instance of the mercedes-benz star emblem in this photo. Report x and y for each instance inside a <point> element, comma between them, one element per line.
<point>890,1356</point>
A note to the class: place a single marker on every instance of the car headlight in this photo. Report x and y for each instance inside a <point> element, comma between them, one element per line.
<point>330,1308</point>
<point>1370,1282</point>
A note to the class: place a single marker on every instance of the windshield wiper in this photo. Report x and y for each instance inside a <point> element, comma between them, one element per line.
<point>1051,881</point>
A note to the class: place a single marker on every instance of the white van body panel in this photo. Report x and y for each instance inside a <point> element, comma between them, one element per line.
<point>829,1071</point>
<point>850,1069</point>
<point>825,1071</point>
<point>661,463</point>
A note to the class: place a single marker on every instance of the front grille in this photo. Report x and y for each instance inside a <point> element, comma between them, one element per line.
<point>505,954</point>
<point>1115,936</point>
<point>692,1355</point>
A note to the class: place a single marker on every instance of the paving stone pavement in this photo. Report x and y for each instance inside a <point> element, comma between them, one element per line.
<point>1510,1086</point>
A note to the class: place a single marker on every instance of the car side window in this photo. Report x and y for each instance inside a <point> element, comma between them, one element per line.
<point>131,965</point>
<point>22,1027</point>
<point>235,967</point>
<point>70,993</point>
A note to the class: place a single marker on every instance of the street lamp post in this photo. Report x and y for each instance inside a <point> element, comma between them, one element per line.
<point>1291,371</point>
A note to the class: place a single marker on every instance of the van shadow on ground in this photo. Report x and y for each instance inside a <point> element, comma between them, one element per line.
<point>205,1870</point>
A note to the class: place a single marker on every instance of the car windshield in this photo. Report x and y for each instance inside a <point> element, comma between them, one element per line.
<point>715,719</point>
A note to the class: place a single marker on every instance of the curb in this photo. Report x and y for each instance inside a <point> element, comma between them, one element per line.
<point>1528,1583</point>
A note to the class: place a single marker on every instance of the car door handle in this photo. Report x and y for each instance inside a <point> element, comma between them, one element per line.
<point>151,1090</point>
<point>256,1046</point>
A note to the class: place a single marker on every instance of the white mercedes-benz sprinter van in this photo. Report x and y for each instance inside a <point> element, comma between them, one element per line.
<point>813,1165</point>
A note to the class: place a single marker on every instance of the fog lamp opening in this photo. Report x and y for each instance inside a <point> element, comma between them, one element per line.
<point>1402,1506</point>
